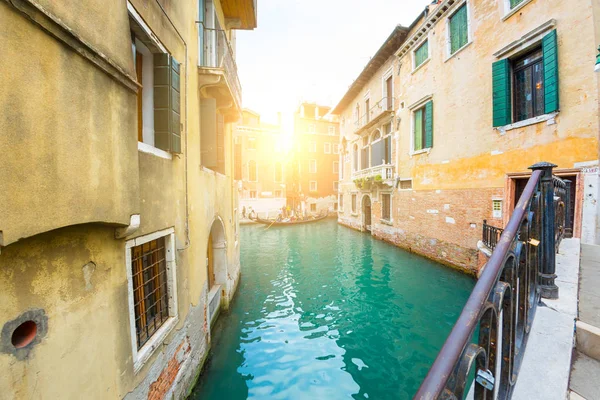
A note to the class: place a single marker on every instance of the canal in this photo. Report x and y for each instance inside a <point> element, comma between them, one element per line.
<point>325,312</point>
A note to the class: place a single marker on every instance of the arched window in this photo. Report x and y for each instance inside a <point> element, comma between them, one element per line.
<point>364,153</point>
<point>355,158</point>
<point>375,136</point>
<point>252,172</point>
<point>278,172</point>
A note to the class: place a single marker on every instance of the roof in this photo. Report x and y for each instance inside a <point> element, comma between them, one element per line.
<point>388,48</point>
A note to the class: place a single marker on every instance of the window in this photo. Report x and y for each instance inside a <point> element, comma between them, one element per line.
<point>252,171</point>
<point>336,148</point>
<point>357,114</point>
<point>386,206</point>
<point>278,193</point>
<point>336,167</point>
<point>253,194</point>
<point>336,186</point>
<point>354,203</point>
<point>421,54</point>
<point>341,202</point>
<point>158,98</point>
<point>251,143</point>
<point>313,186</point>
<point>533,89</point>
<point>331,130</point>
<point>406,184</point>
<point>423,127</point>
<point>327,148</point>
<point>514,3</point>
<point>312,166</point>
<point>497,208</point>
<point>364,153</point>
<point>335,206</point>
<point>311,128</point>
<point>389,91</point>
<point>153,295</point>
<point>367,110</point>
<point>355,160</point>
<point>377,150</point>
<point>528,81</point>
<point>459,29</point>
<point>313,207</point>
<point>278,172</point>
<point>312,147</point>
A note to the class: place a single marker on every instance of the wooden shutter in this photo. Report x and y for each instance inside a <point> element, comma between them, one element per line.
<point>418,134</point>
<point>501,97</point>
<point>550,50</point>
<point>429,124</point>
<point>208,132</point>
<point>167,101</point>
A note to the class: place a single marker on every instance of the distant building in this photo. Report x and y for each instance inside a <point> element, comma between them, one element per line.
<point>314,169</point>
<point>260,165</point>
<point>440,127</point>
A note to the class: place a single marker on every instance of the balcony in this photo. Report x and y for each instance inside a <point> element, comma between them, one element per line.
<point>378,174</point>
<point>217,72</point>
<point>377,113</point>
<point>239,14</point>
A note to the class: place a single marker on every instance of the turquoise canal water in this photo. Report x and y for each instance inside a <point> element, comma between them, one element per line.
<point>325,312</point>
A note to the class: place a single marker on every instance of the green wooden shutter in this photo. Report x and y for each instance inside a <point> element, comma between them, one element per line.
<point>501,92</point>
<point>167,118</point>
<point>429,124</point>
<point>550,50</point>
<point>421,54</point>
<point>418,134</point>
<point>459,29</point>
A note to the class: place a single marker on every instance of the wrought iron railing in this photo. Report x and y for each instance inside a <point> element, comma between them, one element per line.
<point>503,302</point>
<point>216,52</point>
<point>491,235</point>
<point>385,104</point>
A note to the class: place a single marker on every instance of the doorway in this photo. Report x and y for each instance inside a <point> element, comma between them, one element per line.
<point>366,210</point>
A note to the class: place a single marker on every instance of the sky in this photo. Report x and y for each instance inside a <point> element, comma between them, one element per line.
<point>312,50</point>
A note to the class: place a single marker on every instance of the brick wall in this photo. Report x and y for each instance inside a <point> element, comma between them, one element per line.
<point>161,386</point>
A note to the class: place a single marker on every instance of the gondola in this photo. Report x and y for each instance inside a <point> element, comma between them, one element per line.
<point>282,223</point>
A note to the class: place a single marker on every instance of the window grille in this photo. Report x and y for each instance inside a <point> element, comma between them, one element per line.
<point>149,272</point>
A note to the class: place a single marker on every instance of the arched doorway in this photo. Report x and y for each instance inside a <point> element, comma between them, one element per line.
<point>366,211</point>
<point>216,265</point>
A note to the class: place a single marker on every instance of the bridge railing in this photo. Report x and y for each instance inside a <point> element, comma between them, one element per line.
<point>490,235</point>
<point>504,300</point>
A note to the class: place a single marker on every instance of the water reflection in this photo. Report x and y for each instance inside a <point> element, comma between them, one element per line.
<point>324,312</point>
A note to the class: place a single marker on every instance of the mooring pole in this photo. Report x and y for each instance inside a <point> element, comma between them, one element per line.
<point>547,272</point>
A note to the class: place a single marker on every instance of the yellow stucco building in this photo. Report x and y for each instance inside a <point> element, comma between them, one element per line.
<point>441,126</point>
<point>118,227</point>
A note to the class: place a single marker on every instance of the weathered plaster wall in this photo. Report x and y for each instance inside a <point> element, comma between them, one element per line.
<point>66,155</point>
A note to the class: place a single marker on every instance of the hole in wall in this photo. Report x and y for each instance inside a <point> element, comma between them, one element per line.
<point>24,334</point>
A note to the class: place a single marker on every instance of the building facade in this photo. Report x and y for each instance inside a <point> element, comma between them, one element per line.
<point>481,91</point>
<point>118,228</point>
<point>260,165</point>
<point>314,166</point>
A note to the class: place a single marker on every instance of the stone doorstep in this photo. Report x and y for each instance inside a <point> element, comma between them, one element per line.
<point>588,340</point>
<point>585,378</point>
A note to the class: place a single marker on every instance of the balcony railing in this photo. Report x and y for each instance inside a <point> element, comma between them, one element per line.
<point>503,302</point>
<point>374,113</point>
<point>491,235</point>
<point>385,171</point>
<point>216,52</point>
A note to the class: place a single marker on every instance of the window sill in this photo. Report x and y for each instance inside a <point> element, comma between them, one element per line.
<point>154,343</point>
<point>422,151</point>
<point>354,214</point>
<point>420,66</point>
<point>550,118</point>
<point>387,222</point>
<point>515,10</point>
<point>458,51</point>
<point>149,149</point>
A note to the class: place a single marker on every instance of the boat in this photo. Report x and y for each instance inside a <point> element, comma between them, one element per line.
<point>282,223</point>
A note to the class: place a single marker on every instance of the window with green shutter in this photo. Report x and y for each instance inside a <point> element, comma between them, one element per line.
<point>422,54</point>
<point>514,3</point>
<point>423,127</point>
<point>459,29</point>
<point>526,87</point>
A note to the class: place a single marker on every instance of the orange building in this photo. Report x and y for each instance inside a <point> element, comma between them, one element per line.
<point>313,171</point>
